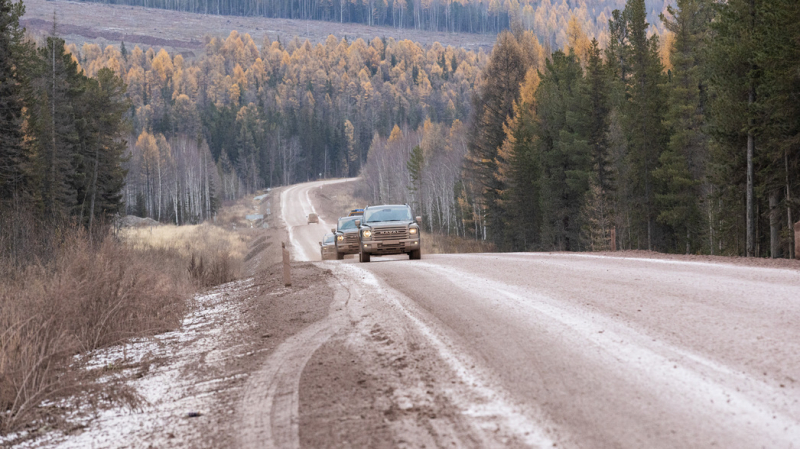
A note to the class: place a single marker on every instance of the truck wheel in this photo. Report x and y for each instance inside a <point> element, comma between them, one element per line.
<point>415,254</point>
<point>363,257</point>
<point>339,256</point>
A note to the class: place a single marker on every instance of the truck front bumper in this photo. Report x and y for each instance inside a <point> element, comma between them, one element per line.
<point>390,246</point>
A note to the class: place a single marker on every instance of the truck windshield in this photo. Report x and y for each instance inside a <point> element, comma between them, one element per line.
<point>388,213</point>
<point>328,239</point>
<point>347,223</point>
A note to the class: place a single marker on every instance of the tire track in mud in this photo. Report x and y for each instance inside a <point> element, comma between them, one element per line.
<point>270,406</point>
<point>472,409</point>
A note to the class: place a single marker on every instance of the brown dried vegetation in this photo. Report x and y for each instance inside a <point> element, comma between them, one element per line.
<point>63,293</point>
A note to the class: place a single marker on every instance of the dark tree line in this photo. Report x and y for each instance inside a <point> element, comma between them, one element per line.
<point>701,158</point>
<point>548,19</point>
<point>61,133</point>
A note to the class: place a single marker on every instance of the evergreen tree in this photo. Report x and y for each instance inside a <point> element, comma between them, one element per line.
<point>778,57</point>
<point>564,151</point>
<point>107,105</point>
<point>644,113</point>
<point>53,112</point>
<point>414,165</point>
<point>734,108</point>
<point>521,172</point>
<point>494,105</point>
<point>683,163</point>
<point>602,179</point>
<point>14,159</point>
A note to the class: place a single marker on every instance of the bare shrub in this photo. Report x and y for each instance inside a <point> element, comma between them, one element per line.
<point>211,255</point>
<point>71,296</point>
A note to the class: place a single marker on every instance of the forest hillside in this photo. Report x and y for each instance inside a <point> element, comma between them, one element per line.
<point>548,19</point>
<point>692,150</point>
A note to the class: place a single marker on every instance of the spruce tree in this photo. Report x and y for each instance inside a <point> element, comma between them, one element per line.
<point>602,180</point>
<point>644,112</point>
<point>494,105</point>
<point>520,172</point>
<point>778,57</point>
<point>683,163</point>
<point>14,159</point>
<point>734,79</point>
<point>564,151</point>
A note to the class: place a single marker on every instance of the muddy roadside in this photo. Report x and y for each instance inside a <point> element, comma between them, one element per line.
<point>377,382</point>
<point>188,383</point>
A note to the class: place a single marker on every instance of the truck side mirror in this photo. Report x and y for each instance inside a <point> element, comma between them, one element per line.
<point>333,230</point>
<point>358,223</point>
<point>320,243</point>
<point>419,219</point>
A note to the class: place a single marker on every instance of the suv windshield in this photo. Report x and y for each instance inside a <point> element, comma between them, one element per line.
<point>387,213</point>
<point>328,239</point>
<point>347,223</point>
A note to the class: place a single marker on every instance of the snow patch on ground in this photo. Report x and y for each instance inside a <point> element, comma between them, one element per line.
<point>162,371</point>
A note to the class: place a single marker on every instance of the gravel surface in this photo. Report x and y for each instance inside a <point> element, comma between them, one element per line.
<point>624,350</point>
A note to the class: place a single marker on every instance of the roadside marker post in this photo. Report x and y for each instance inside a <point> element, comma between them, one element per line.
<point>797,240</point>
<point>287,276</point>
<point>613,239</point>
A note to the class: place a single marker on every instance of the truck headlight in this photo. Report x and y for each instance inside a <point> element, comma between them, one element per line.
<point>412,231</point>
<point>367,233</point>
<point>339,238</point>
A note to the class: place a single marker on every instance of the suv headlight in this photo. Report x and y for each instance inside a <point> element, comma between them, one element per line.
<point>366,233</point>
<point>339,238</point>
<point>412,231</point>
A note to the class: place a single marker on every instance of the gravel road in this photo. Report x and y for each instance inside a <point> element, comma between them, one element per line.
<point>581,350</point>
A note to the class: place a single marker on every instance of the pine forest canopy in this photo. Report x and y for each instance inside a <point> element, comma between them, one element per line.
<point>547,18</point>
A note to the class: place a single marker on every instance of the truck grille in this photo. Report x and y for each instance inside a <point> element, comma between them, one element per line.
<point>390,233</point>
<point>351,237</point>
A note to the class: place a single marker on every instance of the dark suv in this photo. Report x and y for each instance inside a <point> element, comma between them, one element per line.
<point>346,237</point>
<point>388,229</point>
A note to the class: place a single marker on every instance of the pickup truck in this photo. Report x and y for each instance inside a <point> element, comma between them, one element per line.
<point>388,229</point>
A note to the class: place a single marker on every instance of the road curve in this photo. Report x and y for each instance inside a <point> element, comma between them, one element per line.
<point>603,351</point>
<point>296,205</point>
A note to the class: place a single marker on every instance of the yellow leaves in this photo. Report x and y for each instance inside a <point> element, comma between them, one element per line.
<point>665,50</point>
<point>177,62</point>
<point>233,93</point>
<point>89,51</point>
<point>310,100</point>
<point>147,146</point>
<point>239,77</point>
<point>577,40</point>
<point>527,93</point>
<point>396,134</point>
<point>163,67</point>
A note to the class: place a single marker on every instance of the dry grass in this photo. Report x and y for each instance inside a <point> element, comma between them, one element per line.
<point>450,244</point>
<point>89,296</point>
<point>202,239</point>
<point>74,296</point>
<point>211,254</point>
